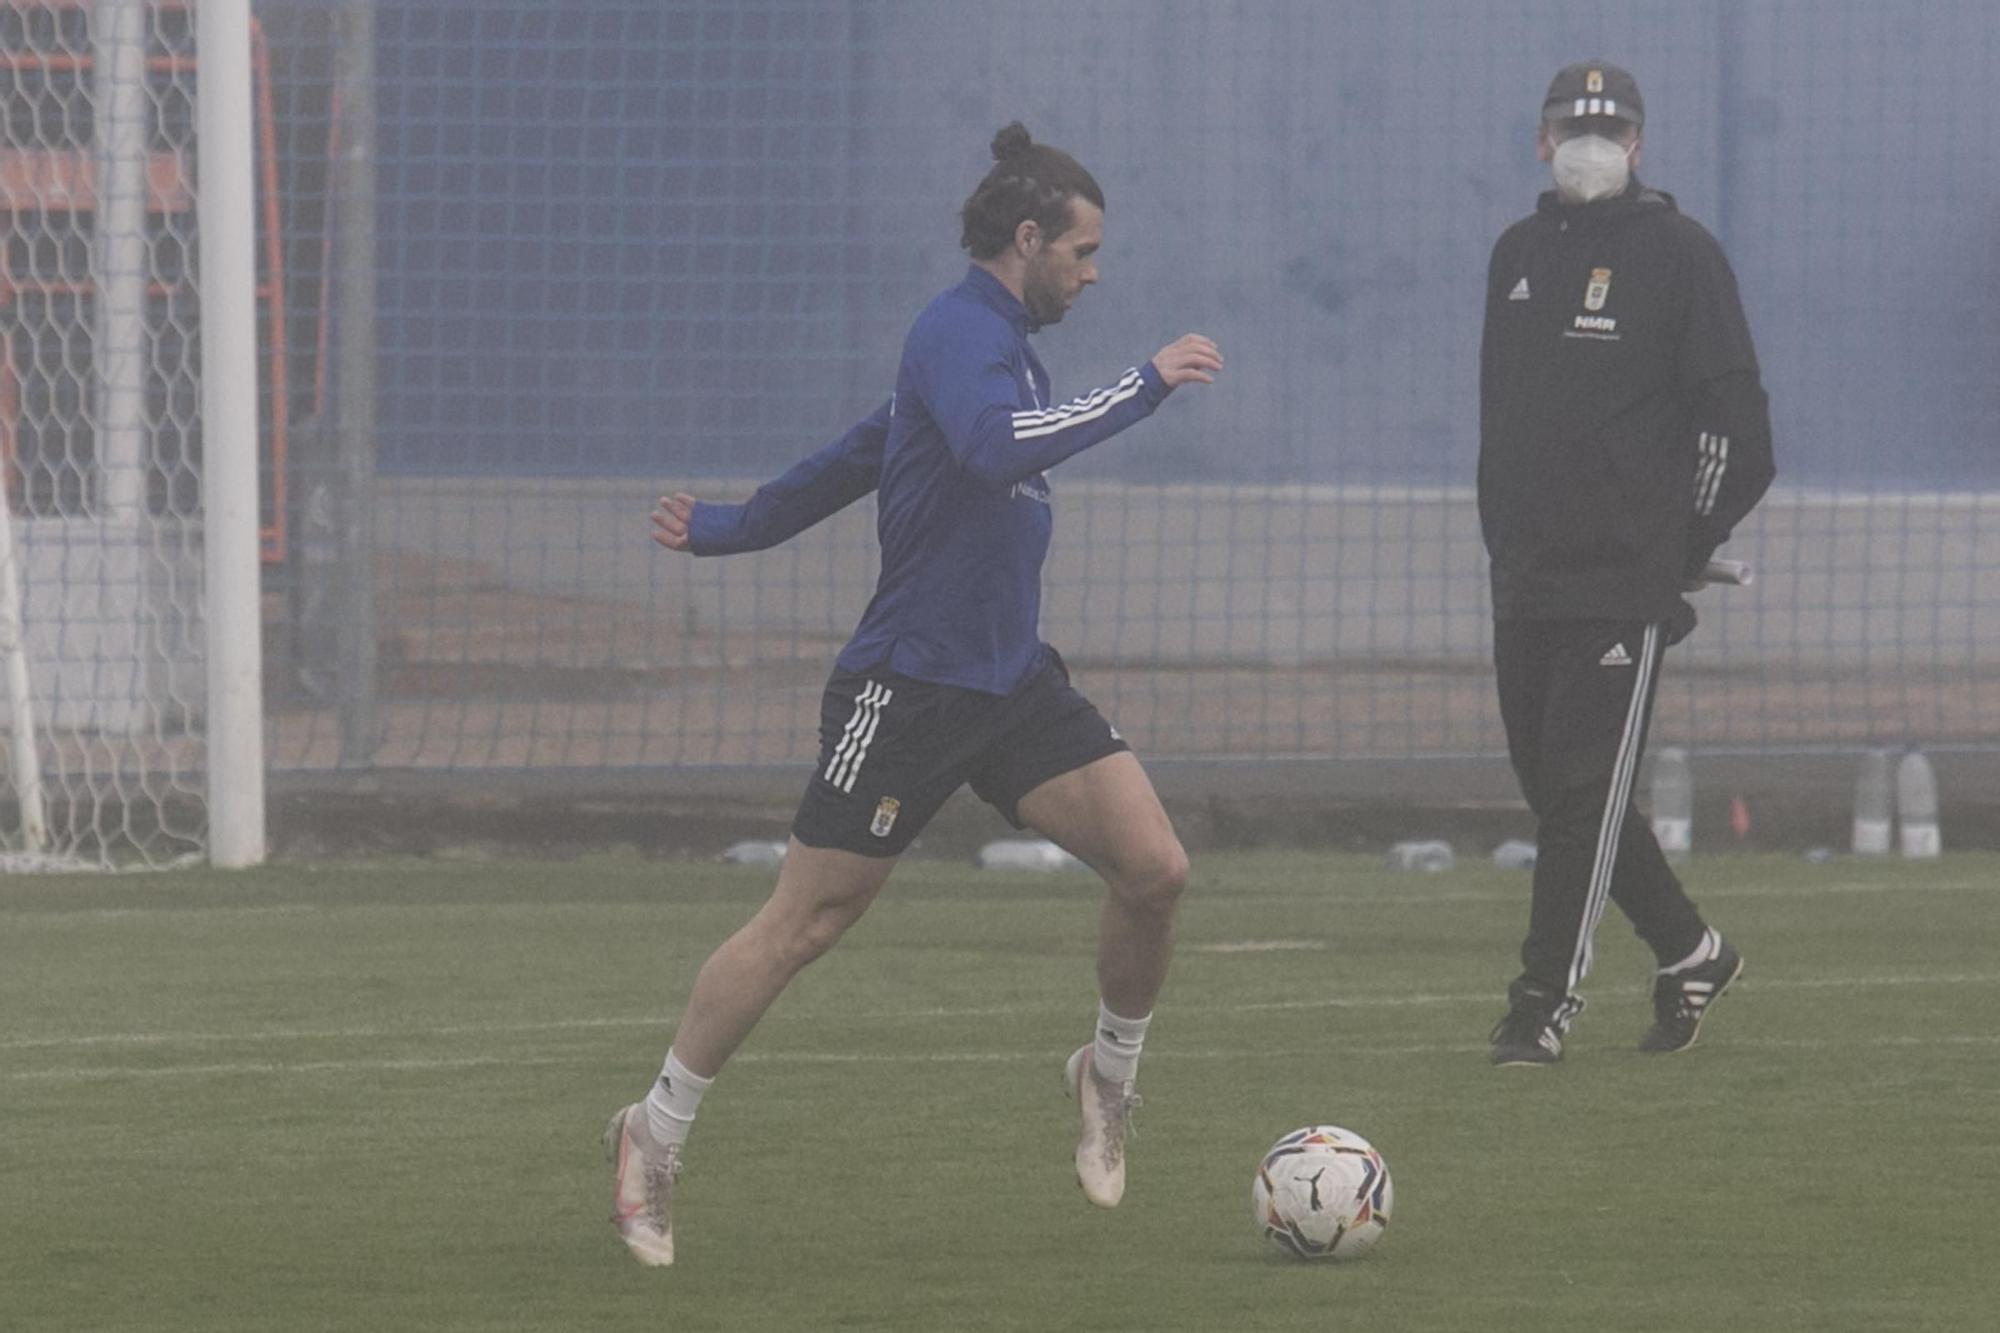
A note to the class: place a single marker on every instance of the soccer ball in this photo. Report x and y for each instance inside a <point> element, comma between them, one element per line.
<point>1323,1192</point>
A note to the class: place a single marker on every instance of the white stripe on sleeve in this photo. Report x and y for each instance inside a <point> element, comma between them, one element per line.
<point>1708,476</point>
<point>1077,413</point>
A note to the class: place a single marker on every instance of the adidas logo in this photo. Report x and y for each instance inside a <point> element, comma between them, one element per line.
<point>1616,657</point>
<point>1550,1042</point>
<point>1520,292</point>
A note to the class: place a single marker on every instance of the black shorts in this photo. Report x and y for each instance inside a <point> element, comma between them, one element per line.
<point>892,749</point>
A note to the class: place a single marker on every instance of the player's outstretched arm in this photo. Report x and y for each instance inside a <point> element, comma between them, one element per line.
<point>815,488</point>
<point>998,444</point>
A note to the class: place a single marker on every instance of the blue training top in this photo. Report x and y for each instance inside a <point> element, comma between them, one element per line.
<point>963,515</point>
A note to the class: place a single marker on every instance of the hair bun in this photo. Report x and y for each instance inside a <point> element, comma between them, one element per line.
<point>1012,141</point>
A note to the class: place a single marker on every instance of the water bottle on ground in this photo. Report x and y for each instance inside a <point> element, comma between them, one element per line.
<point>755,853</point>
<point>1025,854</point>
<point>1872,798</point>
<point>1673,803</point>
<point>1917,806</point>
<point>1427,855</point>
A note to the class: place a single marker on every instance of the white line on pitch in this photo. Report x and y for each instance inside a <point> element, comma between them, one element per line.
<point>331,1034</point>
<point>1484,997</point>
<point>265,1067</point>
<point>1417,896</point>
<point>293,1067</point>
<point>418,1033</point>
<point>1254,946</point>
<point>1849,886</point>
<point>1421,895</point>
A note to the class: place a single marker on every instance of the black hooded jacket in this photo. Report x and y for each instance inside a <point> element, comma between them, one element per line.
<point>1623,427</point>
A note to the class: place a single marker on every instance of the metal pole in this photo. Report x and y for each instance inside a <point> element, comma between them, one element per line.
<point>354,369</point>
<point>227,275</point>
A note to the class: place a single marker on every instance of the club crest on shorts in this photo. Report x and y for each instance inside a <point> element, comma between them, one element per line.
<point>1599,289</point>
<point>885,816</point>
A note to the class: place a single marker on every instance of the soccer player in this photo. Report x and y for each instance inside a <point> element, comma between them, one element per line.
<point>1623,433</point>
<point>946,680</point>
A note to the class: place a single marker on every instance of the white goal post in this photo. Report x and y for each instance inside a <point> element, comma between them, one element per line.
<point>229,430</point>
<point>130,634</point>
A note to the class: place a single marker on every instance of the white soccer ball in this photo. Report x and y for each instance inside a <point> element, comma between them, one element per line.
<point>1323,1192</point>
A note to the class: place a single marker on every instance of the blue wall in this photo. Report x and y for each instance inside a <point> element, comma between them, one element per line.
<point>684,237</point>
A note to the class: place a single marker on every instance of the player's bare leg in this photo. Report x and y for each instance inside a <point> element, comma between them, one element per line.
<point>820,893</point>
<point>1107,815</point>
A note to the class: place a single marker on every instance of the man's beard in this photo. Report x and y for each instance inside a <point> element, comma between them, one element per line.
<point>1043,300</point>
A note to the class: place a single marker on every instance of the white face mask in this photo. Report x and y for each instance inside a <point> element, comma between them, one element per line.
<point>1591,167</point>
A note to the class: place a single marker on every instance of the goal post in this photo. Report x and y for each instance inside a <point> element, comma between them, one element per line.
<point>228,239</point>
<point>131,285</point>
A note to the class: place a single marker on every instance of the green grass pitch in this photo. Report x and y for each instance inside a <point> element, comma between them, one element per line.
<point>370,1097</point>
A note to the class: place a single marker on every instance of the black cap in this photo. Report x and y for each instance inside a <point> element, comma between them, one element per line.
<point>1594,88</point>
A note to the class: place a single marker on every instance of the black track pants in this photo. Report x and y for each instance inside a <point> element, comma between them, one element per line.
<point>1576,697</point>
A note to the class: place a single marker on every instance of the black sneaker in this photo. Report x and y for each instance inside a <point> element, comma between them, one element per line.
<point>1529,1034</point>
<point>1682,1000</point>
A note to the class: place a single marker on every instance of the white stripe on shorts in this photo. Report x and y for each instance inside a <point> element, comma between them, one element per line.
<point>845,765</point>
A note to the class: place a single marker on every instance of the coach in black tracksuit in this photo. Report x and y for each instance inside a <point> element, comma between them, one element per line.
<point>1623,432</point>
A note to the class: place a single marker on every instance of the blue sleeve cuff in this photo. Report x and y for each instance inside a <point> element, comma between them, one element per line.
<point>712,528</point>
<point>1156,388</point>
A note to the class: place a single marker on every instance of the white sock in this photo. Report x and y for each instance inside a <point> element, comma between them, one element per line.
<point>1710,946</point>
<point>1115,1056</point>
<point>670,1106</point>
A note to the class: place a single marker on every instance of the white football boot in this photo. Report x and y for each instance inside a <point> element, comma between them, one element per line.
<point>642,1205</point>
<point>1106,1110</point>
